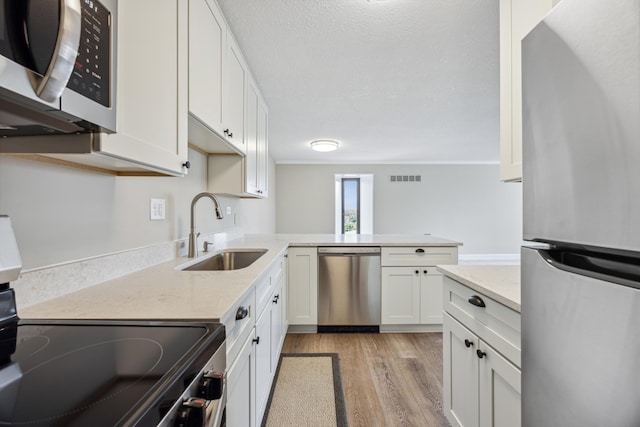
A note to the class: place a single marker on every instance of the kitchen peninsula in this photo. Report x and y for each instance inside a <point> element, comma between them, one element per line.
<point>164,292</point>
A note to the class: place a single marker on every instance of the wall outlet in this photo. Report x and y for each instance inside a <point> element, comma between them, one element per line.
<point>228,210</point>
<point>157,209</point>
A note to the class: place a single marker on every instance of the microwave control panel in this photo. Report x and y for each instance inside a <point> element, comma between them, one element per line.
<point>91,75</point>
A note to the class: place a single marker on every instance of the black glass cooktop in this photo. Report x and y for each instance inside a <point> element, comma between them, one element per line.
<point>99,374</point>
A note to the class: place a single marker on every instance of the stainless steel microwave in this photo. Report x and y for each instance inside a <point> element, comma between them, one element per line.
<point>57,67</point>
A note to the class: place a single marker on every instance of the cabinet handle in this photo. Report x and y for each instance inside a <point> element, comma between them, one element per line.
<point>480,353</point>
<point>242,312</point>
<point>226,132</point>
<point>230,134</point>
<point>419,251</point>
<point>256,340</point>
<point>276,298</point>
<point>186,164</point>
<point>425,272</point>
<point>468,343</point>
<point>417,271</point>
<point>477,301</point>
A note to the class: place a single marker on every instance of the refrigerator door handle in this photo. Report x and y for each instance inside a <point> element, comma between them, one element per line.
<point>617,269</point>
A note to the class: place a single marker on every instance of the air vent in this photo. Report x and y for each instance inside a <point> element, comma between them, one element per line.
<point>406,178</point>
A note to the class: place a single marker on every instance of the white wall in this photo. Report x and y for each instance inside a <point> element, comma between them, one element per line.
<point>62,214</point>
<point>459,202</point>
<point>259,215</point>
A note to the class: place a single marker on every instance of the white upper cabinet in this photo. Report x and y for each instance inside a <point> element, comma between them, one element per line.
<point>256,158</point>
<point>151,99</point>
<point>217,79</point>
<point>233,95</point>
<point>517,18</point>
<point>228,117</point>
<point>207,47</point>
<point>152,87</point>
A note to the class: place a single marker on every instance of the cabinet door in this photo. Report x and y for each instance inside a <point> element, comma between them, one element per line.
<point>460,374</point>
<point>430,296</point>
<point>517,18</point>
<point>207,44</point>
<point>500,393</point>
<point>234,94</point>
<point>252,184</point>
<point>152,86</point>
<point>263,371</point>
<point>241,387</point>
<point>262,148</point>
<point>400,296</point>
<point>284,302</point>
<point>303,286</point>
<point>277,325</point>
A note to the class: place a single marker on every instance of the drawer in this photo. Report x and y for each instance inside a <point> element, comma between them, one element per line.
<point>266,285</point>
<point>496,324</point>
<point>420,256</point>
<point>237,331</point>
<point>264,289</point>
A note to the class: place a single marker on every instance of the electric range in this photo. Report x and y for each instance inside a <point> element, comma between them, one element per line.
<point>105,373</point>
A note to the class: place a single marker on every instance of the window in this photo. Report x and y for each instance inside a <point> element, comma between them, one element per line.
<point>350,206</point>
<point>354,204</point>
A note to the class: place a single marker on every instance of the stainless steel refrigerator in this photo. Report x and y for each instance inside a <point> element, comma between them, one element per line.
<point>581,184</point>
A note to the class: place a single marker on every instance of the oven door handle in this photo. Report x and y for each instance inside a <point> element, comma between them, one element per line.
<point>215,411</point>
<point>50,86</point>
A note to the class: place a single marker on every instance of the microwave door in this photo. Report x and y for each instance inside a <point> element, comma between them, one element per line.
<point>42,37</point>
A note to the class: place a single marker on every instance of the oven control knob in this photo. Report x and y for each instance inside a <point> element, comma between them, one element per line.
<point>192,413</point>
<point>211,385</point>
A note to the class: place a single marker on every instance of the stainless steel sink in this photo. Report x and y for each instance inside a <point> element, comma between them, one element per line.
<point>231,259</point>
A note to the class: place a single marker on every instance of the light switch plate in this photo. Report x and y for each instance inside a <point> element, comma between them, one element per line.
<point>157,209</point>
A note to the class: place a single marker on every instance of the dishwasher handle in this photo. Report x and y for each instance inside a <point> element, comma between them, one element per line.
<point>348,250</point>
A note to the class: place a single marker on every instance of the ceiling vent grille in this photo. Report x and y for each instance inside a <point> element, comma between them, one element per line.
<point>406,178</point>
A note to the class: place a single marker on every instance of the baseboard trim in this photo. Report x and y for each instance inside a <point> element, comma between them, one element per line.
<point>410,328</point>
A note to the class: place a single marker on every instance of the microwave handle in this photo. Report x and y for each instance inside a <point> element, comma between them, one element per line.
<point>50,86</point>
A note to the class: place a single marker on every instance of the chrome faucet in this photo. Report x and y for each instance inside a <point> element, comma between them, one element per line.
<point>193,251</point>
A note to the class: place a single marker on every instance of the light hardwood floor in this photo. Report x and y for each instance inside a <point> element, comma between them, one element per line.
<point>388,379</point>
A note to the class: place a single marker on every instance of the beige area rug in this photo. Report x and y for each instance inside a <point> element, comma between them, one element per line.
<point>307,391</point>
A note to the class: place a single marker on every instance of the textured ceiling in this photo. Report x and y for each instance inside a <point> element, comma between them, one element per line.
<point>395,81</point>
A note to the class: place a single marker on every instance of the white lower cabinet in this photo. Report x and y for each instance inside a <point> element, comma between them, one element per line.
<point>400,296</point>
<point>481,385</point>
<point>483,388</point>
<point>269,339</point>
<point>263,361</point>
<point>241,387</point>
<point>253,366</point>
<point>303,286</point>
<point>411,291</point>
<point>411,296</point>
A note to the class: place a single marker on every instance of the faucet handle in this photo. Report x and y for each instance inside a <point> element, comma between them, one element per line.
<point>205,247</point>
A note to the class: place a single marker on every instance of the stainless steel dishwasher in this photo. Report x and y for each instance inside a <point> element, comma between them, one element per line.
<point>348,289</point>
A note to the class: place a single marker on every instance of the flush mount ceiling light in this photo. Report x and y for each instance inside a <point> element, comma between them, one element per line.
<point>324,145</point>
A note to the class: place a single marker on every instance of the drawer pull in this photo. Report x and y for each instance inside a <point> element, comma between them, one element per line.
<point>419,251</point>
<point>242,312</point>
<point>477,301</point>
<point>256,340</point>
<point>480,354</point>
<point>276,298</point>
<point>468,343</point>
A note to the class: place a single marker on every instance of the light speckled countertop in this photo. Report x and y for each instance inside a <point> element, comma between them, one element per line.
<point>164,293</point>
<point>499,282</point>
